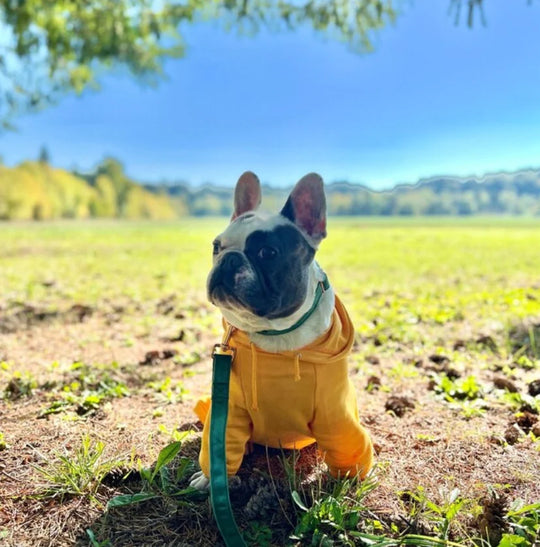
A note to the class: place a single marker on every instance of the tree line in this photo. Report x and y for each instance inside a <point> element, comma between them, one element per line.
<point>35,190</point>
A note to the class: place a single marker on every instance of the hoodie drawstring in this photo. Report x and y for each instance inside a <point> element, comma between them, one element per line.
<point>297,367</point>
<point>254,396</point>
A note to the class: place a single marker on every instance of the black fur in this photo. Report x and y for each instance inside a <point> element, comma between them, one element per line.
<point>281,278</point>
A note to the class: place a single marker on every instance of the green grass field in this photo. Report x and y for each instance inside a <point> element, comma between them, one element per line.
<point>447,367</point>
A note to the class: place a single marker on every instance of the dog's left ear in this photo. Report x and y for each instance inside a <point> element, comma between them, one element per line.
<point>247,194</point>
<point>306,207</point>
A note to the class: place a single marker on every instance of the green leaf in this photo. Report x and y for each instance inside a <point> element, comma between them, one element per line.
<point>166,456</point>
<point>511,540</point>
<point>298,501</point>
<point>130,499</point>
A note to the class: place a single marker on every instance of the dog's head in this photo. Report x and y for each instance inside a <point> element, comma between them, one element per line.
<point>261,262</point>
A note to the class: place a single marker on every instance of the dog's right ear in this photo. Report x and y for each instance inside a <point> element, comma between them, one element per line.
<point>247,194</point>
<point>306,207</point>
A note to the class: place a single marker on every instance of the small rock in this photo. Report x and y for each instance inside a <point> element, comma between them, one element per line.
<point>373,360</point>
<point>504,383</point>
<point>526,421</point>
<point>399,405</point>
<point>488,342</point>
<point>81,312</point>
<point>151,358</point>
<point>169,353</point>
<point>536,429</point>
<point>534,388</point>
<point>511,435</point>
<point>373,383</point>
<point>439,359</point>
<point>179,338</point>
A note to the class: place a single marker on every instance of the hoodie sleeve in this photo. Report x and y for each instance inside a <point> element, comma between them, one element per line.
<point>345,444</point>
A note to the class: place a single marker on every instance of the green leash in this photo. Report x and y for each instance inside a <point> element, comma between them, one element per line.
<point>222,359</point>
<point>219,485</point>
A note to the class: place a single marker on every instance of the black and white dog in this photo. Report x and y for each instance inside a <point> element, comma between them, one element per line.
<point>289,382</point>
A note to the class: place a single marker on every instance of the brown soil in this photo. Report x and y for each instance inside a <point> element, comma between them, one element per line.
<point>420,439</point>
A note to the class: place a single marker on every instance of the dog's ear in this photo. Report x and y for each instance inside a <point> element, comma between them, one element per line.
<point>247,194</point>
<point>306,207</point>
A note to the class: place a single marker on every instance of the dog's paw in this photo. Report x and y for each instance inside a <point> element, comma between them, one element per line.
<point>200,481</point>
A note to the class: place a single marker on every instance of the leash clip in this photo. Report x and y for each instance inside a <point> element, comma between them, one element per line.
<point>224,348</point>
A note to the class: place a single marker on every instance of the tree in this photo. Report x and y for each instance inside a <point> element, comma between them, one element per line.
<point>44,156</point>
<point>50,47</point>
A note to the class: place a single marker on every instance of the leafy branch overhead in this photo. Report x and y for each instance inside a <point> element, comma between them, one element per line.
<point>50,47</point>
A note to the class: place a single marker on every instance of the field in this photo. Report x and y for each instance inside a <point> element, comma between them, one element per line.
<point>105,337</point>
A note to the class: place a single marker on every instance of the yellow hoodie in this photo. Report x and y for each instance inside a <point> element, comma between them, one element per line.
<point>293,399</point>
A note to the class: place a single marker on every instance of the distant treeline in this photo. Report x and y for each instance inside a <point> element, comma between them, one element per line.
<point>503,193</point>
<point>36,190</point>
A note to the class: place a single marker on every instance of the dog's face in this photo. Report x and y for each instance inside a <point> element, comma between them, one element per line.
<point>261,263</point>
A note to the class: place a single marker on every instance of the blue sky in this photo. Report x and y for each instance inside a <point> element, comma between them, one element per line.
<point>432,99</point>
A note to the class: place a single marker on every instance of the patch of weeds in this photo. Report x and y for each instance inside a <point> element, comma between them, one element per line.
<point>524,523</point>
<point>77,473</point>
<point>187,359</point>
<point>86,390</point>
<point>335,511</point>
<point>95,542</point>
<point>471,409</point>
<point>463,394</point>
<point>168,391</point>
<point>258,534</point>
<point>327,508</point>
<point>524,339</point>
<point>461,388</point>
<point>3,444</point>
<point>20,385</point>
<point>403,370</point>
<point>174,434</point>
<point>164,479</point>
<point>427,516</point>
<point>520,402</point>
<point>526,363</point>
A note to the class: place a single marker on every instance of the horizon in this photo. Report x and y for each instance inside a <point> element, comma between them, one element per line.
<point>466,106</point>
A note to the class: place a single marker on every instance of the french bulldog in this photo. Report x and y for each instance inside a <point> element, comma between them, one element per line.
<point>291,335</point>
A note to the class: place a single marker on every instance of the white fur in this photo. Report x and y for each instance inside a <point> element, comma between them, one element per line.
<point>199,481</point>
<point>234,237</point>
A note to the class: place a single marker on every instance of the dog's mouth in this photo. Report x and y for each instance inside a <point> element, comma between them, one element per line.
<point>222,296</point>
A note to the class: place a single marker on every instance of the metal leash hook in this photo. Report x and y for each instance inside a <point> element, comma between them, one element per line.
<point>222,358</point>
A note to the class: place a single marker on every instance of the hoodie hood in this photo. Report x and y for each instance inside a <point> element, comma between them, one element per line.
<point>333,345</point>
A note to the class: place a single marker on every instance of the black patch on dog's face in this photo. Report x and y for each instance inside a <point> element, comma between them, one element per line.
<point>269,278</point>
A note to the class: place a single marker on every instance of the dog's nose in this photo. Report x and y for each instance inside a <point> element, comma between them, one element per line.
<point>231,261</point>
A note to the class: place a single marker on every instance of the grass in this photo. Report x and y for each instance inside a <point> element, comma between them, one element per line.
<point>105,334</point>
<point>78,472</point>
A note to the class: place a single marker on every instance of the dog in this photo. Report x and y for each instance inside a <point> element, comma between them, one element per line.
<point>289,382</point>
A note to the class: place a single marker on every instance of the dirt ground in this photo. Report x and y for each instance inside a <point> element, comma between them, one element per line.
<point>420,439</point>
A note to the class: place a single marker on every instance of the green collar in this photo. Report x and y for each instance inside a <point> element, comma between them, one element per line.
<point>322,287</point>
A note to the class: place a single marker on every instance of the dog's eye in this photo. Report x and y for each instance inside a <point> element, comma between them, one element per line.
<point>216,247</point>
<point>267,253</point>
